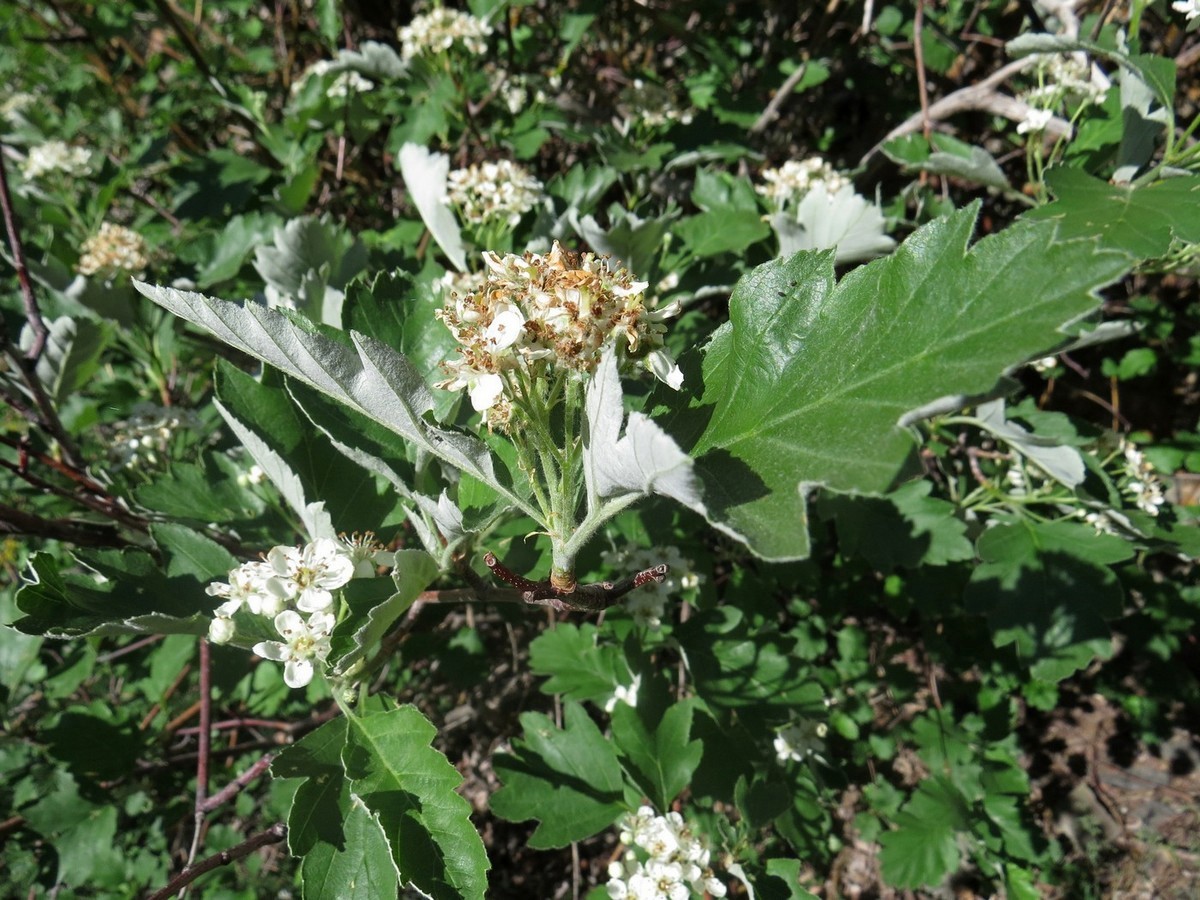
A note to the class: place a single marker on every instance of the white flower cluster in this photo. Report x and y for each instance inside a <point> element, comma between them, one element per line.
<point>288,582</point>
<point>648,604</point>
<point>491,191</point>
<point>677,863</point>
<point>1143,484</point>
<point>143,440</point>
<point>795,178</point>
<point>1062,78</point>
<point>801,739</point>
<point>440,29</point>
<point>650,104</point>
<point>540,316</point>
<point>113,249</point>
<point>348,83</point>
<point>1068,76</point>
<point>56,156</point>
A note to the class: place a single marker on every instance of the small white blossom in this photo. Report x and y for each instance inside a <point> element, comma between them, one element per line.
<point>624,694</point>
<point>56,156</point>
<point>249,586</point>
<point>302,643</point>
<point>1035,121</point>
<point>366,554</point>
<point>441,29</point>
<point>221,630</point>
<point>538,316</point>
<point>347,83</point>
<point>143,441</point>
<point>649,104</point>
<point>800,740</point>
<point>1189,8</point>
<point>309,575</point>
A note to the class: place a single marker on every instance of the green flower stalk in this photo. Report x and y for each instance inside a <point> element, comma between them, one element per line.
<point>529,339</point>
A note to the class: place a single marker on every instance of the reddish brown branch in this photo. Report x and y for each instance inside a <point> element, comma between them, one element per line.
<point>272,835</point>
<point>581,597</point>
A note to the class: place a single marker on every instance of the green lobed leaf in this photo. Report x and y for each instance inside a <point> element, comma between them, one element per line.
<point>396,311</point>
<point>905,528</point>
<point>923,848</point>
<point>343,849</point>
<point>806,383</point>
<point>1046,587</point>
<point>735,665</point>
<point>410,789</point>
<point>660,754</point>
<point>265,419</point>
<point>574,665</point>
<point>413,572</point>
<point>368,376</point>
<point>1140,221</point>
<point>129,592</point>
<point>569,780</point>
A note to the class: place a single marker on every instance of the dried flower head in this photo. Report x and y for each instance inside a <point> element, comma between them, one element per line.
<point>56,156</point>
<point>112,250</point>
<point>545,316</point>
<point>441,29</point>
<point>492,191</point>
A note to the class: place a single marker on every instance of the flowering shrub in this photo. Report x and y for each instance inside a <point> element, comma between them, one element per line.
<point>739,532</point>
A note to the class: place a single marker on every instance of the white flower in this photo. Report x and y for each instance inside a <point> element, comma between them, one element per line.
<point>799,740</point>
<point>302,643</point>
<point>1189,8</point>
<point>675,864</point>
<point>308,575</point>
<point>56,156</point>
<point>221,630</point>
<point>347,83</point>
<point>508,324</point>
<point>366,553</point>
<point>1035,120</point>
<point>624,694</point>
<point>248,586</point>
<point>663,365</point>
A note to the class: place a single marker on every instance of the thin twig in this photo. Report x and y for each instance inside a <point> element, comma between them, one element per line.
<point>272,835</point>
<point>983,96</point>
<point>205,740</point>
<point>32,313</point>
<point>919,56</point>
<point>771,113</point>
<point>238,784</point>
